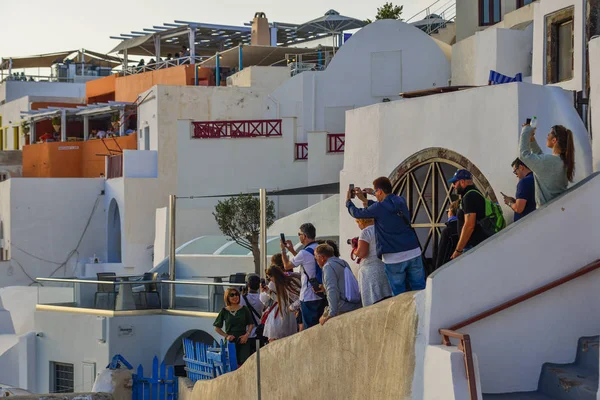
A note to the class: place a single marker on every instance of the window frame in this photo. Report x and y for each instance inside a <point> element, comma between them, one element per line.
<point>54,365</point>
<point>491,12</point>
<point>553,22</point>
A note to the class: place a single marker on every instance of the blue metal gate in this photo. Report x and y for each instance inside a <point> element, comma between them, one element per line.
<point>204,362</point>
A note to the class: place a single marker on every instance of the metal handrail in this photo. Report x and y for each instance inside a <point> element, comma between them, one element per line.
<point>66,280</point>
<point>188,282</point>
<point>178,282</point>
<point>465,339</point>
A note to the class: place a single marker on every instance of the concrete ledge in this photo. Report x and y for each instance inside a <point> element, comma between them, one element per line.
<point>66,396</point>
<point>365,354</point>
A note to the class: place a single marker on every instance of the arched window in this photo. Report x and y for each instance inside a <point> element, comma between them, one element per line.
<point>422,179</point>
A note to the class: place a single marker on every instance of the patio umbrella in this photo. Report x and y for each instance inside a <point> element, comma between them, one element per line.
<point>333,23</point>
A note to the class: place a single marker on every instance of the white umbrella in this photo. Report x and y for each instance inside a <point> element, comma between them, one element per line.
<point>333,23</point>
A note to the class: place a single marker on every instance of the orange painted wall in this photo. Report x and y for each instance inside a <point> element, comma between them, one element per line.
<point>100,88</point>
<point>70,159</point>
<point>128,88</point>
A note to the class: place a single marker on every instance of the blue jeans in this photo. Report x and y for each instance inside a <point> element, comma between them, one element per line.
<point>311,312</point>
<point>411,270</point>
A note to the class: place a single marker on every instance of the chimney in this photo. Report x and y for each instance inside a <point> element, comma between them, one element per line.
<point>261,35</point>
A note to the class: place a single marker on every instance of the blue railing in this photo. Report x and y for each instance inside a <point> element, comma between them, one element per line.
<point>203,362</point>
<point>162,385</point>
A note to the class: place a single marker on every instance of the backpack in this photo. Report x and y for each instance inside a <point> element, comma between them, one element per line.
<point>350,284</point>
<point>494,218</point>
<point>319,271</point>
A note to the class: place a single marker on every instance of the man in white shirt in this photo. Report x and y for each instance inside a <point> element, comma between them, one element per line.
<point>312,304</point>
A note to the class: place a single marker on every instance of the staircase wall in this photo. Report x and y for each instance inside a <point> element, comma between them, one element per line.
<point>546,245</point>
<point>366,354</point>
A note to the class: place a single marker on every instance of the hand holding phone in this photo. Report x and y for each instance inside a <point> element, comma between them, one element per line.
<point>282,236</point>
<point>351,190</point>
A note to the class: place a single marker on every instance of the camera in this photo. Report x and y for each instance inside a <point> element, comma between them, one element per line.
<point>353,242</point>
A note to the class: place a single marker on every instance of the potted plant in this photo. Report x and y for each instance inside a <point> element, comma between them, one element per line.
<point>115,120</point>
<point>56,121</point>
<point>25,127</point>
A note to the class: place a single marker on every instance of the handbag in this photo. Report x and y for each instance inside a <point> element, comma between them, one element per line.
<point>260,327</point>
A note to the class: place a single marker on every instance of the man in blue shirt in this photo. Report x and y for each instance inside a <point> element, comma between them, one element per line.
<point>524,201</point>
<point>397,244</point>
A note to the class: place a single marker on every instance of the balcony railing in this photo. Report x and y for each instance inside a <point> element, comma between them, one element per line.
<point>114,166</point>
<point>236,129</point>
<point>301,151</point>
<point>175,62</point>
<point>336,142</point>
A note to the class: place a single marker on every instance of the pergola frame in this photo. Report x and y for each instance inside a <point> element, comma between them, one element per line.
<point>202,39</point>
<point>81,111</point>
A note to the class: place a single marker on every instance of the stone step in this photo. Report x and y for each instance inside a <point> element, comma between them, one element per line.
<point>568,382</point>
<point>517,396</point>
<point>587,353</point>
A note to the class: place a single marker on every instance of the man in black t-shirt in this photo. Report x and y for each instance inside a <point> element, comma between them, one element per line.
<point>472,210</point>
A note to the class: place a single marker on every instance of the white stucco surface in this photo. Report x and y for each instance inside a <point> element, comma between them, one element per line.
<point>594,54</point>
<point>137,338</point>
<point>541,11</point>
<point>11,90</point>
<point>501,269</point>
<point>324,215</point>
<point>257,76</point>
<point>43,220</point>
<point>469,122</point>
<point>506,51</point>
<point>140,164</point>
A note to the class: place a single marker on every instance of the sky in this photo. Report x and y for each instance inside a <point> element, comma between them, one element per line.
<point>40,26</point>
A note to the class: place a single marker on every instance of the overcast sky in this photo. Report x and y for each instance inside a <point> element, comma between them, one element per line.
<point>41,26</point>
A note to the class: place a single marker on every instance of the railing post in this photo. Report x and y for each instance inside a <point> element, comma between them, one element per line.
<point>263,232</point>
<point>172,275</point>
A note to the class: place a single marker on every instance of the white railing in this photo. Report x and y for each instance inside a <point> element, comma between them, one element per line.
<point>444,9</point>
<point>175,62</point>
<point>298,63</point>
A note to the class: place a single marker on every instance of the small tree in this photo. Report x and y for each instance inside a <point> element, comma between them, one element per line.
<point>239,218</point>
<point>388,11</point>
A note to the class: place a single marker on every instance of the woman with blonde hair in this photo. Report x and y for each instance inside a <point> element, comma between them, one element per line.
<point>284,290</point>
<point>238,324</point>
<point>551,172</point>
<point>372,281</point>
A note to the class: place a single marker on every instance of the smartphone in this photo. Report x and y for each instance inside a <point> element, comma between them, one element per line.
<point>351,188</point>
<point>528,121</point>
<point>316,286</point>
<point>504,194</point>
<point>282,236</point>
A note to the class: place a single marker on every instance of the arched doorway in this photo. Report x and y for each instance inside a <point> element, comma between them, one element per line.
<point>422,179</point>
<point>174,356</point>
<point>114,233</point>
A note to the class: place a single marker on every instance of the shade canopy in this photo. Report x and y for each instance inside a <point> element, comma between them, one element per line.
<point>209,38</point>
<point>332,22</point>
<point>257,56</point>
<point>49,59</point>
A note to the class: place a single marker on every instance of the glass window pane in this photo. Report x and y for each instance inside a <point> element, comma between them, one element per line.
<point>565,50</point>
<point>496,10</point>
<point>486,11</point>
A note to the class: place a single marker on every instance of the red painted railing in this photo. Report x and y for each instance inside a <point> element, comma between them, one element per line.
<point>336,142</point>
<point>301,151</point>
<point>237,129</point>
<point>114,166</point>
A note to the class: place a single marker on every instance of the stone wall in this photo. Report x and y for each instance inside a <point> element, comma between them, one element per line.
<point>366,354</point>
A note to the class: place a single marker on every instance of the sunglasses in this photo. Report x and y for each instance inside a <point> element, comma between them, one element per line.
<point>515,171</point>
<point>300,234</point>
<point>234,295</point>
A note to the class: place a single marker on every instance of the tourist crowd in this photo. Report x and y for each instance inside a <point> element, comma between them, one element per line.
<point>309,287</point>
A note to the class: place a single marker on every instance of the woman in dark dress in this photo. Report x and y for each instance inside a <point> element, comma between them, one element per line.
<point>238,324</point>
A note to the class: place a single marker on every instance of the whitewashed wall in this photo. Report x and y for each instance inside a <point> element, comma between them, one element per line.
<point>541,10</point>
<point>524,257</point>
<point>594,53</point>
<point>44,219</point>
<point>17,89</point>
<point>505,51</point>
<point>482,124</point>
